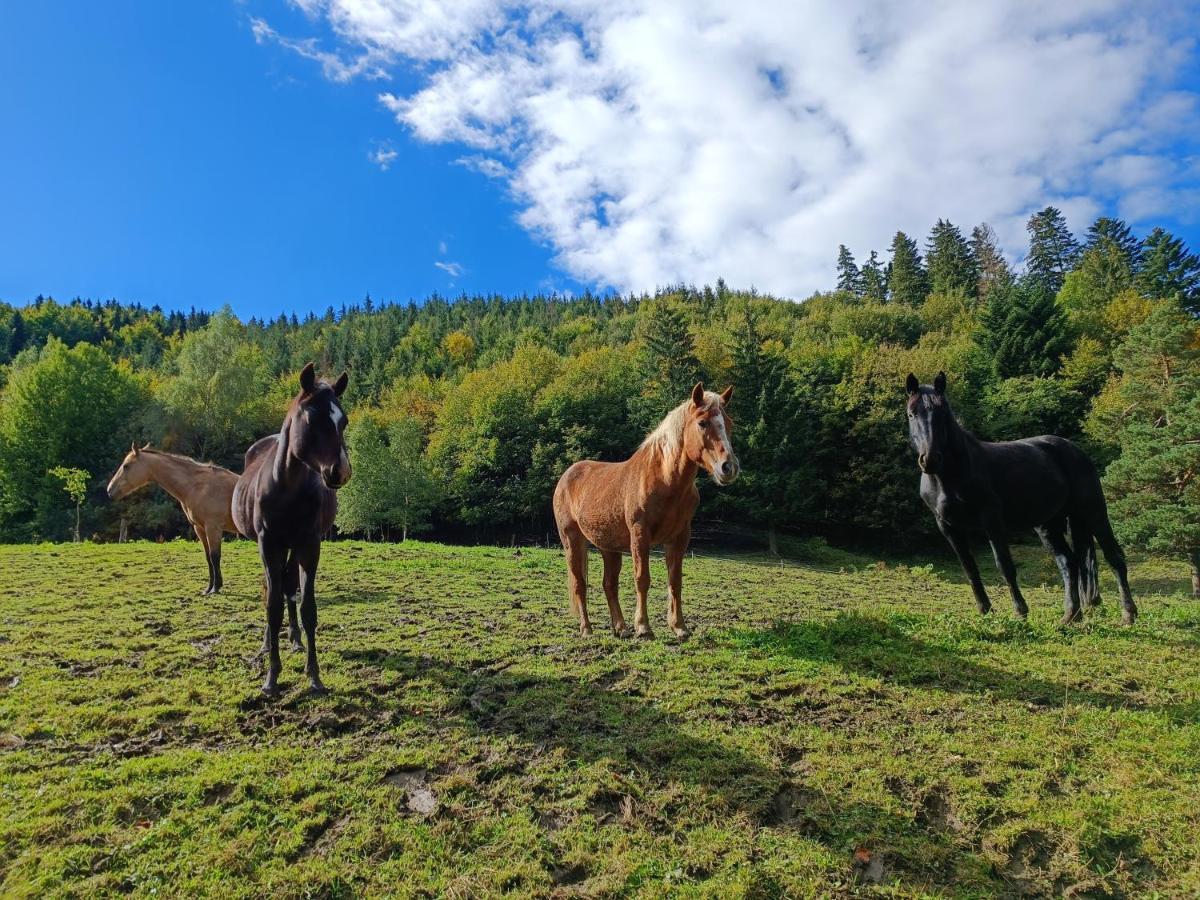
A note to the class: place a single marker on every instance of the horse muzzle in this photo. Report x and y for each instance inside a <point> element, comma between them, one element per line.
<point>726,471</point>
<point>930,463</point>
<point>336,476</point>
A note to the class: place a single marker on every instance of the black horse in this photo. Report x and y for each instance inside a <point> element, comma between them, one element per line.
<point>1045,483</point>
<point>285,500</point>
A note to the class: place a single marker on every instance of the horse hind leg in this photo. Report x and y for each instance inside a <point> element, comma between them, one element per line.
<point>575,545</point>
<point>291,587</point>
<point>1115,556</point>
<point>612,582</point>
<point>1054,539</point>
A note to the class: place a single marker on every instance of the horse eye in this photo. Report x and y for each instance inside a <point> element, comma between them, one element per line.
<point>703,423</point>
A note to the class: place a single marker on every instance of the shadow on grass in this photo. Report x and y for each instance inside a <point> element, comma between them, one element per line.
<point>592,723</point>
<point>878,647</point>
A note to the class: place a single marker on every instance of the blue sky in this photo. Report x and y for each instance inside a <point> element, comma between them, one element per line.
<point>288,156</point>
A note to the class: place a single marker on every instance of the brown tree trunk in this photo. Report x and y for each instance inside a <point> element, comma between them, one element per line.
<point>1194,556</point>
<point>77,505</point>
<point>772,541</point>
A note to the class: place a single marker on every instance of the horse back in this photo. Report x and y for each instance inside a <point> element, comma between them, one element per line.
<point>1039,478</point>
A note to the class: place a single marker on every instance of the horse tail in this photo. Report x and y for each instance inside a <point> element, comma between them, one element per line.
<point>1089,572</point>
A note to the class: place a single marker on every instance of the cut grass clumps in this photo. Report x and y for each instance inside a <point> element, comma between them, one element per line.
<point>837,726</point>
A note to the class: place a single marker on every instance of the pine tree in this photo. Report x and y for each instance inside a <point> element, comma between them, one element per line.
<point>1023,330</point>
<point>849,279</point>
<point>1053,250</point>
<point>1154,486</point>
<point>907,280</point>
<point>17,336</point>
<point>950,261</point>
<point>994,271</point>
<point>1170,271</point>
<point>874,280</point>
<point>1109,231</point>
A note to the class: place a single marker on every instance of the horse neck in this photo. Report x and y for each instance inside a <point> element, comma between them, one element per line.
<point>676,472</point>
<point>173,475</point>
<point>960,444</point>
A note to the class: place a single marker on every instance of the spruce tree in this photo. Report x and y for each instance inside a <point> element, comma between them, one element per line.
<point>1023,330</point>
<point>1106,231</point>
<point>950,261</point>
<point>1154,486</point>
<point>908,282</point>
<point>1053,250</point>
<point>874,280</point>
<point>994,271</point>
<point>849,279</point>
<point>1169,271</point>
<point>669,361</point>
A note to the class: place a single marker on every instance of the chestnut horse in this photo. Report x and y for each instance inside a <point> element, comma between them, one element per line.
<point>285,500</point>
<point>202,489</point>
<point>648,499</point>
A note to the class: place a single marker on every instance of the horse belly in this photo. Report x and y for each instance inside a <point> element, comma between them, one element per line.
<point>605,530</point>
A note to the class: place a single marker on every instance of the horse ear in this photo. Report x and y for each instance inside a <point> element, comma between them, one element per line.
<point>133,448</point>
<point>911,384</point>
<point>339,386</point>
<point>726,395</point>
<point>308,378</point>
<point>282,447</point>
<point>146,446</point>
<point>939,383</point>
<point>698,394</point>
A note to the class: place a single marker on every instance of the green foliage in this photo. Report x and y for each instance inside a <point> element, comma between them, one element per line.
<point>1053,250</point>
<point>1030,405</point>
<point>669,363</point>
<point>75,483</point>
<point>874,280</point>
<point>908,282</point>
<point>1154,485</point>
<point>1022,330</point>
<point>1103,273</point>
<point>951,262</point>
<point>392,486</point>
<point>849,279</point>
<point>218,399</point>
<point>994,271</point>
<point>69,409</point>
<point>1170,271</point>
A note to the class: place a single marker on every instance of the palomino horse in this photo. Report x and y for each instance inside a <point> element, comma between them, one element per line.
<point>202,489</point>
<point>648,499</point>
<point>1045,483</point>
<point>285,500</point>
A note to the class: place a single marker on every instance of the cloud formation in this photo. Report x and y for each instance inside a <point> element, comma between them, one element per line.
<point>383,156</point>
<point>690,139</point>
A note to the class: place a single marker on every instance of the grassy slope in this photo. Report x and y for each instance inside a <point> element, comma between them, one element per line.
<point>823,708</point>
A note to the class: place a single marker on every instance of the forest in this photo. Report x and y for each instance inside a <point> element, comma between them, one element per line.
<point>465,411</point>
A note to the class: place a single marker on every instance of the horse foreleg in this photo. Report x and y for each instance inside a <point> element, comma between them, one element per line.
<point>675,554</point>
<point>1054,539</point>
<point>612,583</point>
<point>308,558</point>
<point>957,538</point>
<point>639,548</point>
<point>1004,562</point>
<point>274,561</point>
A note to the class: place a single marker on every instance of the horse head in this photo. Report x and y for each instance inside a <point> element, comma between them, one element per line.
<point>132,474</point>
<point>314,432</point>
<point>706,431</point>
<point>929,421</point>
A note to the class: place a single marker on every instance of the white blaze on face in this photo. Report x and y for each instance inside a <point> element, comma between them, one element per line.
<point>718,422</point>
<point>336,414</point>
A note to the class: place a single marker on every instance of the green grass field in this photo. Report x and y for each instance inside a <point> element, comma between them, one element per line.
<point>836,726</point>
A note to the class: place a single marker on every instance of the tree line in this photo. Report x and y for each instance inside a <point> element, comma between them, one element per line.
<point>465,411</point>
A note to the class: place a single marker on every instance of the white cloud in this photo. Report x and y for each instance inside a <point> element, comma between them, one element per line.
<point>687,139</point>
<point>383,156</point>
<point>453,269</point>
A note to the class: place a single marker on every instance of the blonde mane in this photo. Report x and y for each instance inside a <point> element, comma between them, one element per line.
<point>668,435</point>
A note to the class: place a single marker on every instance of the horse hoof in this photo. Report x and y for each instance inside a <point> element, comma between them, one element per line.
<point>297,647</point>
<point>317,688</point>
<point>682,633</point>
<point>1069,619</point>
<point>622,631</point>
<point>1128,618</point>
<point>644,631</point>
<point>585,630</point>
<point>270,689</point>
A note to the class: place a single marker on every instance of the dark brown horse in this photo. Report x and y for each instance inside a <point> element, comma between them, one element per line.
<point>285,500</point>
<point>648,499</point>
<point>1045,483</point>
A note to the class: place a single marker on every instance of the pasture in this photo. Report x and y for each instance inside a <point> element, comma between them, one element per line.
<point>837,725</point>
